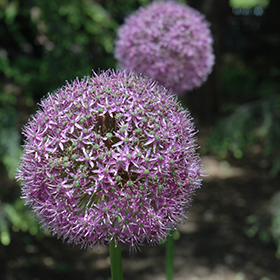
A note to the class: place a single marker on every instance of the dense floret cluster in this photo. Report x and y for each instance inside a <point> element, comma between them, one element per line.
<point>168,42</point>
<point>110,157</point>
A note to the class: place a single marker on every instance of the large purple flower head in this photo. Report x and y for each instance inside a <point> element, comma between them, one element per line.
<point>168,42</point>
<point>110,157</point>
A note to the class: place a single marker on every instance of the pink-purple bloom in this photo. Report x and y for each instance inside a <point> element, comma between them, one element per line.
<point>169,42</point>
<point>110,157</point>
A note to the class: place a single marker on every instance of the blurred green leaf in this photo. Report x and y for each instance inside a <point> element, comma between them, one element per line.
<point>256,122</point>
<point>17,217</point>
<point>249,3</point>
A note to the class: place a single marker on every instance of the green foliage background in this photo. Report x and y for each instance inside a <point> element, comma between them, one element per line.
<point>251,114</point>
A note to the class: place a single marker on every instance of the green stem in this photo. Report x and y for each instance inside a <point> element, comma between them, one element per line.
<point>169,257</point>
<point>116,261</point>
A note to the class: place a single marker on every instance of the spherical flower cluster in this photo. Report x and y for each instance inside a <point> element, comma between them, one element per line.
<point>168,42</point>
<point>110,157</point>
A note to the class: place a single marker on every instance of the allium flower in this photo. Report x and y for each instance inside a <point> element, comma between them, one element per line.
<point>110,157</point>
<point>168,42</point>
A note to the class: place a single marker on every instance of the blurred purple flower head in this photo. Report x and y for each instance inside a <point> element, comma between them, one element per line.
<point>169,42</point>
<point>110,157</point>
